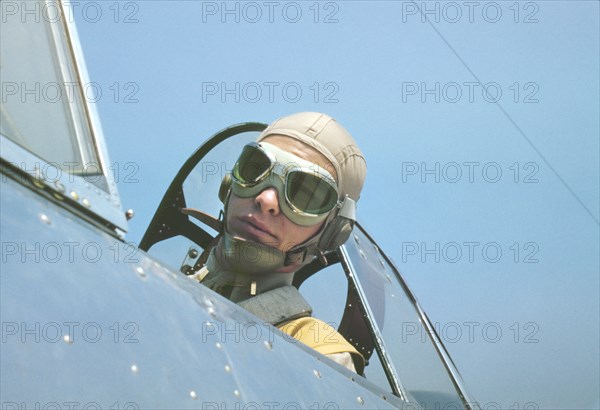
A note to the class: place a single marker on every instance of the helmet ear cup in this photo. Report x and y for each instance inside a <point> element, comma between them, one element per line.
<point>344,233</point>
<point>225,188</point>
<point>336,233</point>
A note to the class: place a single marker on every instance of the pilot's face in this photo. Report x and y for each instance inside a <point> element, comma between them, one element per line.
<point>260,219</point>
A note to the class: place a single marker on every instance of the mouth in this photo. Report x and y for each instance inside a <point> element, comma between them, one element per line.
<point>251,228</point>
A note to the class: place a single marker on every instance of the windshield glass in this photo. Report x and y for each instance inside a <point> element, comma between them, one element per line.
<point>408,343</point>
<point>42,107</point>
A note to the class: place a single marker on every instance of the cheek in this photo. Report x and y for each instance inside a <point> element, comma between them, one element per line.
<point>236,206</point>
<point>299,234</point>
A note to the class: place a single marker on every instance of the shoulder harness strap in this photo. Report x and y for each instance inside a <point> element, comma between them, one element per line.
<point>278,305</point>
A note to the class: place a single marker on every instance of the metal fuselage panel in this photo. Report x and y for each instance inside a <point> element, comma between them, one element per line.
<point>88,320</point>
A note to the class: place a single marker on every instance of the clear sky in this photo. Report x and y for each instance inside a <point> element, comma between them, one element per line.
<point>487,201</point>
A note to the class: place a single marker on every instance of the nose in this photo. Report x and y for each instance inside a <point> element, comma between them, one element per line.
<point>268,201</point>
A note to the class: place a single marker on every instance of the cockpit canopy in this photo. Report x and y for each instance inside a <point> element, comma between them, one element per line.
<point>50,134</point>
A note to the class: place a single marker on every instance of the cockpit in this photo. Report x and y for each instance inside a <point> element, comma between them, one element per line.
<point>358,292</point>
<point>52,142</point>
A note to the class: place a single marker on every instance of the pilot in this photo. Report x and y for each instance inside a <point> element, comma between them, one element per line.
<point>290,197</point>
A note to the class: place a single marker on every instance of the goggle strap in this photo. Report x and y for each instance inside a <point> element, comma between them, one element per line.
<point>348,209</point>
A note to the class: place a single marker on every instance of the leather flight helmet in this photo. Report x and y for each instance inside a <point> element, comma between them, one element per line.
<point>326,135</point>
<point>334,142</point>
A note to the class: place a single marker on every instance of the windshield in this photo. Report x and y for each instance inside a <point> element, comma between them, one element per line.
<point>408,341</point>
<point>42,107</point>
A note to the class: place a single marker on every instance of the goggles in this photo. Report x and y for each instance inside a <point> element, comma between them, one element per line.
<point>307,192</point>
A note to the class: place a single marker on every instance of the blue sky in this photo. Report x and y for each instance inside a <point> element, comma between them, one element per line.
<point>456,174</point>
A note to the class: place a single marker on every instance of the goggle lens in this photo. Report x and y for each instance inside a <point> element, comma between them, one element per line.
<point>251,166</point>
<point>310,193</point>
